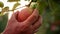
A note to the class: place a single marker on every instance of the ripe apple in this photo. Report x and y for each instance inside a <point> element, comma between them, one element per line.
<point>24,14</point>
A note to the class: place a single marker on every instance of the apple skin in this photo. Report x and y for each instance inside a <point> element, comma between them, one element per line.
<point>24,14</point>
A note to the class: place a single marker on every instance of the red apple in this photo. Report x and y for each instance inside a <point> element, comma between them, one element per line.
<point>24,14</point>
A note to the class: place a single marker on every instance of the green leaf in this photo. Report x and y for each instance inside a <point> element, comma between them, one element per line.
<point>5,9</point>
<point>1,4</point>
<point>3,22</point>
<point>33,5</point>
<point>13,0</point>
<point>15,5</point>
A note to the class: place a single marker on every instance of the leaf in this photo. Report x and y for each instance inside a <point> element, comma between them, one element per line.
<point>15,5</point>
<point>13,0</point>
<point>5,9</point>
<point>33,5</point>
<point>3,22</point>
<point>1,4</point>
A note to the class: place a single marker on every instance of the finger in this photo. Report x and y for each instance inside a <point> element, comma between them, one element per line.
<point>37,24</point>
<point>31,19</point>
<point>36,31</point>
<point>13,17</point>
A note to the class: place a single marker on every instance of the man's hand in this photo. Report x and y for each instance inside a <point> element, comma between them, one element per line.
<point>29,26</point>
<point>34,27</point>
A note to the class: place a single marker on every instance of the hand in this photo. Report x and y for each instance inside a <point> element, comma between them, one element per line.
<point>34,27</point>
<point>28,26</point>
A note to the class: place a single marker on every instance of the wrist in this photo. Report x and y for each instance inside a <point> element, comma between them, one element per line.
<point>7,31</point>
<point>11,31</point>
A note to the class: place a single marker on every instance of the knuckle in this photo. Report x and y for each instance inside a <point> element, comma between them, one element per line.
<point>34,16</point>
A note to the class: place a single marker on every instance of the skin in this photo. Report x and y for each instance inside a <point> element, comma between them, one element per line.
<point>29,26</point>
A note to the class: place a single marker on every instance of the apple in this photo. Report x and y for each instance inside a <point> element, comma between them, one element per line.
<point>24,14</point>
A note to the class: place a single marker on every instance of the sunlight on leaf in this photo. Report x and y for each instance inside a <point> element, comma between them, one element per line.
<point>15,5</point>
<point>5,9</point>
